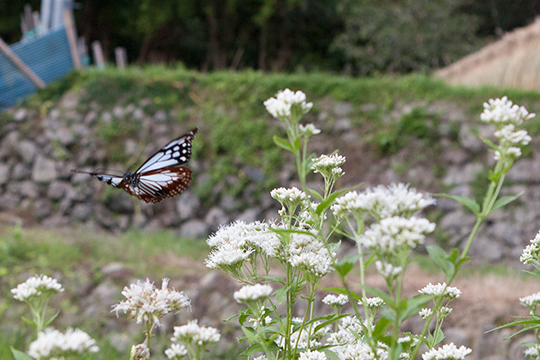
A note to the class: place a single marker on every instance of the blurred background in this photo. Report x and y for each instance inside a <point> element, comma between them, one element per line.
<point>397,88</point>
<point>358,37</point>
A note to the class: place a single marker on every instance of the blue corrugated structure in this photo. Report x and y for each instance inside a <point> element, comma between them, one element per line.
<point>48,56</point>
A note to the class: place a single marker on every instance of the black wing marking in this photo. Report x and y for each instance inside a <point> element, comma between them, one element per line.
<point>175,153</point>
<point>157,185</point>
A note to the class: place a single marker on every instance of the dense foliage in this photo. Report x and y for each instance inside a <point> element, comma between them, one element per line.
<point>363,36</point>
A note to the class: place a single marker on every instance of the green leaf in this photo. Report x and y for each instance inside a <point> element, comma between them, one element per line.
<point>345,265</point>
<point>250,334</point>
<point>19,355</point>
<point>469,203</point>
<point>315,194</point>
<point>414,305</point>
<point>252,349</point>
<point>273,278</point>
<point>282,143</point>
<point>490,143</point>
<point>281,293</point>
<point>331,355</point>
<point>330,199</point>
<point>442,259</point>
<point>297,144</point>
<point>505,200</point>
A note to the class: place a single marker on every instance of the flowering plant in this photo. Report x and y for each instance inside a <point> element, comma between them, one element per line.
<point>385,225</point>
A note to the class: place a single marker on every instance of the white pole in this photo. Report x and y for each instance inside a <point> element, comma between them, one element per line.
<point>46,6</point>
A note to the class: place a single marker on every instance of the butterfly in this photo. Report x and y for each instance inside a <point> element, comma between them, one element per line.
<point>159,177</point>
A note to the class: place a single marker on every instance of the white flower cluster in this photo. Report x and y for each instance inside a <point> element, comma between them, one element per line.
<point>346,343</point>
<point>301,336</point>
<point>36,286</point>
<point>252,293</point>
<point>193,333</point>
<point>329,166</point>
<point>503,111</point>
<point>447,352</point>
<point>308,129</point>
<point>307,253</point>
<point>52,344</point>
<point>383,202</point>
<point>289,197</point>
<point>531,301</point>
<point>149,304</point>
<point>139,352</point>
<point>425,313</point>
<point>286,102</point>
<point>234,243</point>
<point>372,302</point>
<point>532,352</point>
<point>333,300</point>
<point>312,355</point>
<point>395,233</point>
<point>388,270</point>
<point>506,116</point>
<point>176,352</point>
<point>440,289</point>
<point>531,253</point>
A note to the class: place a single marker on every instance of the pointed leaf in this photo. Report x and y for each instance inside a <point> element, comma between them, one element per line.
<point>282,143</point>
<point>505,200</point>
<point>281,293</point>
<point>345,265</point>
<point>471,204</point>
<point>19,355</point>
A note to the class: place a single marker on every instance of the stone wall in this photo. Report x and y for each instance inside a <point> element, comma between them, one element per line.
<point>38,150</point>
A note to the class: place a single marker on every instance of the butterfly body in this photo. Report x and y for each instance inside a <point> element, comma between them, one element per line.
<point>159,177</point>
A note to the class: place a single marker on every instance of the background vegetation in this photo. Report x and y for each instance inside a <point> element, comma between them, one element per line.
<point>354,36</point>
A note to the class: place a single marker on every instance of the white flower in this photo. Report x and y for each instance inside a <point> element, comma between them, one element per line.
<point>176,352</point>
<point>372,302</point>
<point>288,196</point>
<point>387,270</point>
<point>444,312</point>
<point>333,300</point>
<point>227,255</point>
<point>425,313</point>
<point>447,352</point>
<point>328,165</point>
<point>395,233</point>
<point>36,286</point>
<point>531,253</point>
<point>149,304</point>
<point>140,352</point>
<point>309,129</point>
<point>531,352</point>
<point>531,301</point>
<point>193,333</point>
<point>287,101</point>
<point>252,293</point>
<point>502,111</point>
<point>512,152</point>
<point>383,202</point>
<point>312,355</point>
<point>439,289</point>
<point>309,254</point>
<point>262,357</point>
<point>52,343</point>
<point>509,134</point>
<point>247,236</point>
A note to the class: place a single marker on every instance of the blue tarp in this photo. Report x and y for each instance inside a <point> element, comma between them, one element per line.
<point>48,56</point>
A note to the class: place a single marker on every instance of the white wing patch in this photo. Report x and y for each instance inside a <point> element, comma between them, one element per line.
<point>177,152</point>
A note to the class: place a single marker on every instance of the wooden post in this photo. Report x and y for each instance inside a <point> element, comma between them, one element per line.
<point>20,64</point>
<point>97,52</point>
<point>37,28</point>
<point>71,32</point>
<point>121,57</point>
<point>28,17</point>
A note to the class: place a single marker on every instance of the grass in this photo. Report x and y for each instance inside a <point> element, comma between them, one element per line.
<point>77,256</point>
<point>236,131</point>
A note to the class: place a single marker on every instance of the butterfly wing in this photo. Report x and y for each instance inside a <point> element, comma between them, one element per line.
<point>113,180</point>
<point>156,185</point>
<point>175,153</point>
